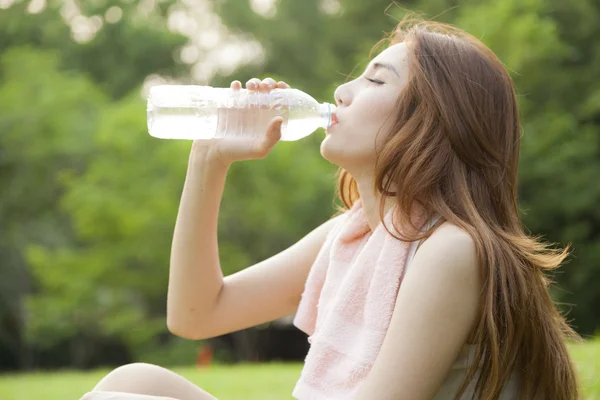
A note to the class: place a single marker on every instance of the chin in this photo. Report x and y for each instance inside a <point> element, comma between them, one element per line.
<point>330,152</point>
<point>341,154</point>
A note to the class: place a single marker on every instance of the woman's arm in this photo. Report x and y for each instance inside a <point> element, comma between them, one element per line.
<point>201,303</point>
<point>195,276</point>
<point>436,309</point>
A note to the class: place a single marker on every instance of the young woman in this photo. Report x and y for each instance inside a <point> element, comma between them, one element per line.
<point>427,141</point>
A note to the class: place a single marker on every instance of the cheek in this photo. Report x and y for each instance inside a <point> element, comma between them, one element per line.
<point>373,113</point>
<point>380,118</point>
<point>370,120</point>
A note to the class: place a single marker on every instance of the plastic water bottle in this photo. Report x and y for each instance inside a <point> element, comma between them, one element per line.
<point>203,112</point>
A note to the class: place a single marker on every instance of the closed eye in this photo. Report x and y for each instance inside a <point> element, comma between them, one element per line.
<point>377,81</point>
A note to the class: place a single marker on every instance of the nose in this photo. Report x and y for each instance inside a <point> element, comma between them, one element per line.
<point>342,95</point>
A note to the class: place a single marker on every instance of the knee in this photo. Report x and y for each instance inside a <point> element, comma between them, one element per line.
<point>138,368</point>
<point>130,377</point>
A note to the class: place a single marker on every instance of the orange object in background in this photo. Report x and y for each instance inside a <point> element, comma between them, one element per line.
<point>205,355</point>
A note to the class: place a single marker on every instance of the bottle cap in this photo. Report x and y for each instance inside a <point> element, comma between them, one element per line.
<point>326,110</point>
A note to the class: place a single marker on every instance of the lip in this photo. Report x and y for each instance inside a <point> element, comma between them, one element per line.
<point>334,120</point>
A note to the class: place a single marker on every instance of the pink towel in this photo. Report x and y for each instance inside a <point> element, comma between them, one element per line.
<point>347,304</point>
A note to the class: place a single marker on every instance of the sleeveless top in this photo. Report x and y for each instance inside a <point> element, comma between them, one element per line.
<point>345,339</point>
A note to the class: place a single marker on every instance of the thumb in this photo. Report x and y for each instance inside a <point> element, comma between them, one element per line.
<point>271,138</point>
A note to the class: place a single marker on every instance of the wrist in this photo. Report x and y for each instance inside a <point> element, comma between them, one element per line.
<point>206,154</point>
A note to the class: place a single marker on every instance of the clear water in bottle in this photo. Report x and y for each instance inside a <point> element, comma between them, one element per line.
<point>202,112</point>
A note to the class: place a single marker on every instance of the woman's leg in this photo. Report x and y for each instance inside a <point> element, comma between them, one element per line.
<point>149,380</point>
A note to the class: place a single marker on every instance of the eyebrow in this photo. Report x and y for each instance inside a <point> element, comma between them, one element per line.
<point>386,66</point>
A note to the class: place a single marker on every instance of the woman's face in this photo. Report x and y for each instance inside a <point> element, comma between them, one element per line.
<point>366,106</point>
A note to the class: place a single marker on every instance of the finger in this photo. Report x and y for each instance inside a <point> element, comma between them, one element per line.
<point>267,84</point>
<point>253,84</point>
<point>236,85</point>
<point>282,85</point>
<point>273,135</point>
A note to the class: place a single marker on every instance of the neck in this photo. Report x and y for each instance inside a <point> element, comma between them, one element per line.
<point>371,199</point>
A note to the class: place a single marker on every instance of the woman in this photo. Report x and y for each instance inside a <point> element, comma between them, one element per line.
<point>427,139</point>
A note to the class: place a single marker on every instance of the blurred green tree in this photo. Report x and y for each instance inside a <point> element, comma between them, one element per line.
<point>89,199</point>
<point>53,90</point>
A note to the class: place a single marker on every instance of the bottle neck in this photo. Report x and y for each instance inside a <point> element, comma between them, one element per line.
<point>325,112</point>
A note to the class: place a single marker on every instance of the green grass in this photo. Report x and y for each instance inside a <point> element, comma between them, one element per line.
<point>273,381</point>
<point>587,358</point>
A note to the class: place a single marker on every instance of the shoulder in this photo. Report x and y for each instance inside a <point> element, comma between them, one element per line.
<point>451,237</point>
<point>449,250</point>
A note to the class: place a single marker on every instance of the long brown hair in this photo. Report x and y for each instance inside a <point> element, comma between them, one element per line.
<point>454,151</point>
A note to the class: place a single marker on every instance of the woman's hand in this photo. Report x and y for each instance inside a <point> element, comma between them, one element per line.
<point>234,147</point>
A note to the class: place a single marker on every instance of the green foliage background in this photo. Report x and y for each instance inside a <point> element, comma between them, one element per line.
<point>89,199</point>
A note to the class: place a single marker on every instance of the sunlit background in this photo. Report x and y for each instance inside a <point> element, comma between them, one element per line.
<point>89,200</point>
